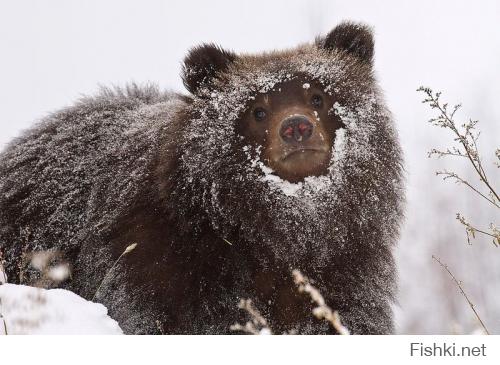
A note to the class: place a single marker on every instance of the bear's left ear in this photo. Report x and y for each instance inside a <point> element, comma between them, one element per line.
<point>352,38</point>
<point>203,64</point>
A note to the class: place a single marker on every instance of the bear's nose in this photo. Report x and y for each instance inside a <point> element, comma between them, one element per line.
<point>296,129</point>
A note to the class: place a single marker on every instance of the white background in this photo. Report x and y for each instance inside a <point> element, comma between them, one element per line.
<point>241,350</point>
<point>53,51</point>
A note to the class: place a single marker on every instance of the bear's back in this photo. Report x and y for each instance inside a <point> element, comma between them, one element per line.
<point>75,171</point>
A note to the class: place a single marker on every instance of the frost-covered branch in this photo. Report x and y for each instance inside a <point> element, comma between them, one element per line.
<point>322,311</point>
<point>466,147</point>
<point>462,291</point>
<point>452,175</point>
<point>465,136</point>
<point>471,231</point>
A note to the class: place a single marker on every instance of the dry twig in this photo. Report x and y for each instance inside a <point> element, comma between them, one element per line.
<point>467,147</point>
<point>322,311</point>
<point>459,284</point>
<point>257,325</point>
<point>2,319</point>
<point>3,280</point>
<point>471,231</point>
<point>3,273</point>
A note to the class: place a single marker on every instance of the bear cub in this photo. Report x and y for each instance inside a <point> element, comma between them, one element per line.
<point>273,162</point>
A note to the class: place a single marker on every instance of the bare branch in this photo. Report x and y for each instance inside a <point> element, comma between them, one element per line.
<point>2,319</point>
<point>471,231</point>
<point>459,284</point>
<point>452,175</point>
<point>467,139</point>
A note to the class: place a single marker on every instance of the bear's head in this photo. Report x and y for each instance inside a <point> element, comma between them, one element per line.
<point>295,143</point>
<point>293,118</point>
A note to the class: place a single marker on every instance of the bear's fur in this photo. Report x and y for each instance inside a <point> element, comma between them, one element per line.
<point>212,222</point>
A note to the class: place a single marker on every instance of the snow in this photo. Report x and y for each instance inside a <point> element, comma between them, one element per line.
<point>29,310</point>
<point>287,188</point>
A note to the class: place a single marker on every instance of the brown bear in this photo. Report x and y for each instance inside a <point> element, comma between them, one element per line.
<point>275,161</point>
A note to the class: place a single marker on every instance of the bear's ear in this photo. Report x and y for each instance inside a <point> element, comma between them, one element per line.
<point>352,38</point>
<point>203,64</point>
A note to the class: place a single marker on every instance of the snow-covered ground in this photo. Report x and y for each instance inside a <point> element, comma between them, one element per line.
<point>28,310</point>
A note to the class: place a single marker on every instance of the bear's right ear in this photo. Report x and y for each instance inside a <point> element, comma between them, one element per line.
<point>353,38</point>
<point>203,64</point>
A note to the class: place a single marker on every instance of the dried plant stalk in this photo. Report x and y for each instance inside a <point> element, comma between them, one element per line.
<point>322,311</point>
<point>2,319</point>
<point>3,274</point>
<point>459,284</point>
<point>257,325</point>
<point>466,147</point>
<point>128,249</point>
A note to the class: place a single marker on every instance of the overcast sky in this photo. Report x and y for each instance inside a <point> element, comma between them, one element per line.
<point>53,51</point>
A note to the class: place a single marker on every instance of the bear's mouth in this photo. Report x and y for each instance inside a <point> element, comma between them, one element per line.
<point>306,151</point>
<point>301,162</point>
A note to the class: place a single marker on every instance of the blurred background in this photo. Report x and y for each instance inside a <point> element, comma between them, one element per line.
<point>52,52</point>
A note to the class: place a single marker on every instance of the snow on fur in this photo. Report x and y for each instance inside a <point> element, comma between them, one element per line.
<point>366,153</point>
<point>353,211</point>
<point>79,169</point>
<point>74,174</point>
<point>27,310</point>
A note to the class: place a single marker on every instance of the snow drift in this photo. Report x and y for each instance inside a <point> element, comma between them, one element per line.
<point>28,310</point>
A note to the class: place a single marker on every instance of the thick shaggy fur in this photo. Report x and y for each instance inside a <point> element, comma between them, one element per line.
<point>170,173</point>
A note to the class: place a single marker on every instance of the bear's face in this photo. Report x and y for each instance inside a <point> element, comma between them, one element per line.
<point>295,143</point>
<point>281,102</point>
<point>295,127</point>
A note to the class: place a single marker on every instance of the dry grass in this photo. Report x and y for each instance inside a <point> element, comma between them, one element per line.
<point>2,318</point>
<point>127,250</point>
<point>3,275</point>
<point>322,311</point>
<point>3,280</point>
<point>258,325</point>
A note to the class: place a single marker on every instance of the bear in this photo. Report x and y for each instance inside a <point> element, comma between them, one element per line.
<point>272,162</point>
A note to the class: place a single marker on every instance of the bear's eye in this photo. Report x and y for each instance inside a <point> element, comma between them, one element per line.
<point>259,114</point>
<point>317,101</point>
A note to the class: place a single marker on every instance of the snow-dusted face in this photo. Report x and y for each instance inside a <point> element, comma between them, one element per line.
<point>294,149</point>
<point>295,126</point>
<point>278,116</point>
